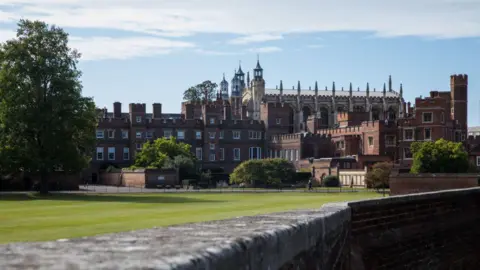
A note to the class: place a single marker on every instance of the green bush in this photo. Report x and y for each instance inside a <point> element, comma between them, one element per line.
<point>272,171</point>
<point>378,176</point>
<point>331,181</point>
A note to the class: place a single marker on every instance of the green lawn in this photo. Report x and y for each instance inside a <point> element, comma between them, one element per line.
<point>31,218</point>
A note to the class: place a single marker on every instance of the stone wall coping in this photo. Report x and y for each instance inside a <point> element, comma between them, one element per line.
<point>254,242</point>
<point>415,197</point>
<point>422,175</point>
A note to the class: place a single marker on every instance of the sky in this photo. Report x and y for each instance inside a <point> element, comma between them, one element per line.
<point>146,51</point>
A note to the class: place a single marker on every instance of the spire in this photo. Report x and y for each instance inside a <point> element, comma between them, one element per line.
<point>368,89</point>
<point>281,85</point>
<point>248,78</point>
<point>258,71</point>
<point>384,89</point>
<point>390,83</point>
<point>401,90</point>
<point>316,86</point>
<point>350,89</point>
<point>333,87</point>
<point>240,71</point>
<point>298,86</point>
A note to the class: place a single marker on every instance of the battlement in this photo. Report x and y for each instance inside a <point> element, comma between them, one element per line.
<point>297,136</point>
<point>459,79</point>
<point>241,124</point>
<point>110,121</point>
<point>137,107</point>
<point>436,101</point>
<point>352,130</point>
<point>174,122</point>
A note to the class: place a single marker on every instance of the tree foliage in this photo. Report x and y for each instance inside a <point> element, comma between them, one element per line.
<point>331,181</point>
<point>441,156</point>
<point>165,153</point>
<point>265,171</point>
<point>379,175</point>
<point>45,121</point>
<point>199,92</point>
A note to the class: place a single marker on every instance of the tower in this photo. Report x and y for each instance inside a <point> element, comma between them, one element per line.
<point>258,90</point>
<point>224,88</point>
<point>236,95</point>
<point>459,99</point>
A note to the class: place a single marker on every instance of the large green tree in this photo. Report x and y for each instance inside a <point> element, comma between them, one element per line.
<point>45,121</point>
<point>441,156</point>
<point>206,90</point>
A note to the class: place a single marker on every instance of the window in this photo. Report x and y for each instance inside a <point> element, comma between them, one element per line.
<point>149,134</point>
<point>255,153</point>
<point>427,134</point>
<point>236,154</point>
<point>198,135</point>
<point>370,141</point>
<point>111,153</point>
<point>221,134</point>
<point>100,134</point>
<point>278,121</point>
<point>138,119</point>
<point>212,135</point>
<point>99,153</point>
<point>478,161</point>
<point>167,133</point>
<point>180,134</point>
<point>199,153</point>
<point>111,133</point>
<point>124,134</point>
<point>390,140</point>
<point>212,120</point>
<point>222,153</point>
<point>212,157</point>
<point>138,146</point>
<point>255,135</point>
<point>212,146</point>
<point>126,153</point>
<point>236,134</point>
<point>408,134</point>
<point>407,154</point>
<point>138,134</point>
<point>427,117</point>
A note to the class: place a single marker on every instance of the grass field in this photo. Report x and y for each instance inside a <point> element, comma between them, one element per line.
<point>32,218</point>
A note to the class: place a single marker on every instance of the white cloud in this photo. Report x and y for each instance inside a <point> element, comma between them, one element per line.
<point>258,38</point>
<point>99,48</point>
<point>265,50</point>
<point>254,21</point>
<point>432,18</point>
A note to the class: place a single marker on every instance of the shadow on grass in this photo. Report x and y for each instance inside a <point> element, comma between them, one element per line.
<point>122,198</point>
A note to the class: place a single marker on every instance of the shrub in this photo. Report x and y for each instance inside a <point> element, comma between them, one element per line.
<point>331,181</point>
<point>272,171</point>
<point>378,176</point>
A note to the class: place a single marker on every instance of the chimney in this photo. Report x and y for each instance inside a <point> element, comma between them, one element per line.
<point>189,111</point>
<point>227,111</point>
<point>117,109</point>
<point>157,110</point>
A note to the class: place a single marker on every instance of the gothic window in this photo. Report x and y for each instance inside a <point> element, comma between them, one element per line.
<point>391,114</point>
<point>375,114</point>
<point>324,116</point>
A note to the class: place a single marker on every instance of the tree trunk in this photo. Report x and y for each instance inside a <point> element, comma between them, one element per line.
<point>43,182</point>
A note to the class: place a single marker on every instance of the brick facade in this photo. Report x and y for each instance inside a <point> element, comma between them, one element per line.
<point>222,139</point>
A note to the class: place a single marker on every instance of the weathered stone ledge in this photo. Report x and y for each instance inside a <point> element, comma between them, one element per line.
<point>257,242</point>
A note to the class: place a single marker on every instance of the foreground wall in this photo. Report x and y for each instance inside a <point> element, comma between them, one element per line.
<point>406,183</point>
<point>422,231</point>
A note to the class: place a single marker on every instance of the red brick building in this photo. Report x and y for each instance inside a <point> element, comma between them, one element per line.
<point>221,138</point>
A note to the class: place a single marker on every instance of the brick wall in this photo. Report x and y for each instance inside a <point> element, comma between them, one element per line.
<point>405,183</point>
<point>140,178</point>
<point>437,230</point>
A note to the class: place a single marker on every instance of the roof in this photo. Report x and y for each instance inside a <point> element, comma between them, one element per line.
<point>344,93</point>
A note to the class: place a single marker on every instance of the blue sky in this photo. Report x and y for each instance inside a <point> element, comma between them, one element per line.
<point>151,51</point>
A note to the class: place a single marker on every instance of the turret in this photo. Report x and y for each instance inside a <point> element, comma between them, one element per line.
<point>390,83</point>
<point>224,88</point>
<point>258,72</point>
